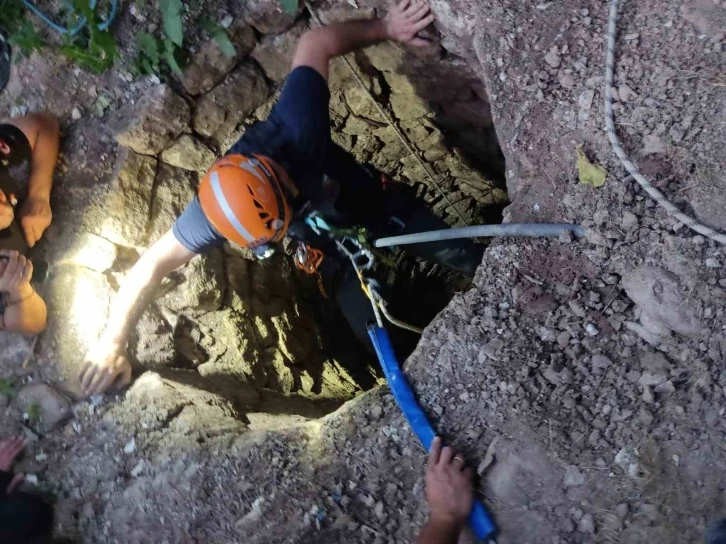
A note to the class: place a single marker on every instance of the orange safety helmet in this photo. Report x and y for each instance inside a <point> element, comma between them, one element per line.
<point>244,200</point>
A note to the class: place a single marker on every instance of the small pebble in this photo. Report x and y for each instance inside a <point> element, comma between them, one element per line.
<point>713,263</point>
<point>553,57</point>
<point>626,93</point>
<point>130,446</point>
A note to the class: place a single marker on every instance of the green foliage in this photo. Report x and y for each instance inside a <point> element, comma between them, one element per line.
<point>290,6</point>
<point>225,44</point>
<point>101,105</point>
<point>34,413</point>
<point>151,53</point>
<point>174,56</point>
<point>147,58</point>
<point>27,39</point>
<point>7,388</point>
<point>171,15</point>
<point>11,15</point>
<point>219,35</point>
<point>92,49</point>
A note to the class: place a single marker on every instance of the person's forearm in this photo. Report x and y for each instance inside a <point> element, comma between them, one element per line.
<point>439,533</point>
<point>44,159</point>
<point>131,300</point>
<point>25,312</point>
<point>342,38</point>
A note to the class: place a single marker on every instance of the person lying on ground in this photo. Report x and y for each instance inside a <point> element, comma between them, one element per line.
<point>280,171</point>
<point>25,214</point>
<point>24,518</point>
<point>449,494</point>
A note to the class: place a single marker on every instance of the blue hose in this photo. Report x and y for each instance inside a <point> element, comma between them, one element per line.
<point>104,25</point>
<point>479,519</point>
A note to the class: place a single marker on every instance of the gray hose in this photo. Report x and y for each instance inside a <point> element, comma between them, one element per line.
<point>532,230</point>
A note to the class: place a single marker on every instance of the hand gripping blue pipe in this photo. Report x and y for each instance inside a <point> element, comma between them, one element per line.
<point>479,519</point>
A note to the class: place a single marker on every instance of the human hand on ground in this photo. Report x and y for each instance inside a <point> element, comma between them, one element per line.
<point>15,273</point>
<point>448,486</point>
<point>406,20</point>
<point>9,450</point>
<point>7,214</point>
<point>35,216</point>
<point>106,366</point>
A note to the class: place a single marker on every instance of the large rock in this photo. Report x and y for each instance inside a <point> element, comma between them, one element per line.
<point>275,53</point>
<point>179,402</point>
<point>123,215</point>
<point>78,300</point>
<point>199,286</point>
<point>45,407</point>
<point>297,338</point>
<point>189,153</point>
<point>91,251</point>
<point>657,292</point>
<point>152,343</point>
<point>232,345</point>
<point>174,190</point>
<point>156,119</point>
<point>17,351</point>
<point>209,65</point>
<point>270,17</point>
<point>220,111</point>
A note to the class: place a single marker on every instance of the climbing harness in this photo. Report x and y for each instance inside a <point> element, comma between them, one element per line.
<point>309,260</point>
<point>82,22</point>
<point>363,261</point>
<point>658,196</point>
<point>377,299</point>
<point>353,244</point>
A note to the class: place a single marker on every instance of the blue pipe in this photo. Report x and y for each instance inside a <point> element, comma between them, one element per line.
<point>103,26</point>
<point>479,519</point>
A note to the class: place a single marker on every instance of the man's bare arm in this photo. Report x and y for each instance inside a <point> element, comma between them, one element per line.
<point>318,46</point>
<point>42,132</point>
<point>106,364</point>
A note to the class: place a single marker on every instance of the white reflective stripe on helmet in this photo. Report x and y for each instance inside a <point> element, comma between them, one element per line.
<point>228,213</point>
<point>249,167</point>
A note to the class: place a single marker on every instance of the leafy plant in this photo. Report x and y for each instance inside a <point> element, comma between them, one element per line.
<point>34,414</point>
<point>27,39</point>
<point>147,58</point>
<point>92,49</point>
<point>7,388</point>
<point>11,15</point>
<point>171,16</point>
<point>219,35</point>
<point>290,6</point>
<point>152,51</point>
<point>174,56</point>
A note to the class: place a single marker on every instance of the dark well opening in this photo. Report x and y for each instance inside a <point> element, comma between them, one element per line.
<point>291,348</point>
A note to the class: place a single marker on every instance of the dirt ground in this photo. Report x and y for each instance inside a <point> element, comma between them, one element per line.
<point>596,365</point>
